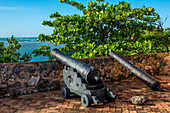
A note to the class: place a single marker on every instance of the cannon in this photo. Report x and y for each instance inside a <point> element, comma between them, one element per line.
<point>83,80</point>
<point>146,78</point>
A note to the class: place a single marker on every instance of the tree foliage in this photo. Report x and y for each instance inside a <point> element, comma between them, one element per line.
<point>10,54</point>
<point>105,27</point>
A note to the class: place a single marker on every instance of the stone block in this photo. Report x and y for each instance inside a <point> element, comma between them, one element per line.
<point>15,85</point>
<point>46,74</point>
<point>10,78</point>
<point>54,66</point>
<point>34,80</point>
<point>16,70</point>
<point>42,68</point>
<point>23,76</point>
<point>3,69</point>
<point>30,69</point>
<point>165,66</point>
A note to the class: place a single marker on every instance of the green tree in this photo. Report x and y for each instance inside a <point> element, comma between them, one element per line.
<point>160,39</point>
<point>9,54</point>
<point>102,28</point>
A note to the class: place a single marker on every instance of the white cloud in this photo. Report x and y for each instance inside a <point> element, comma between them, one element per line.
<point>11,8</point>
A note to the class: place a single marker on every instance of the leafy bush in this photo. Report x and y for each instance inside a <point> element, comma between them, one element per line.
<point>9,54</point>
<point>105,27</point>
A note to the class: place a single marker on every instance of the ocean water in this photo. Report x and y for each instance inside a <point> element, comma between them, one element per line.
<point>28,44</point>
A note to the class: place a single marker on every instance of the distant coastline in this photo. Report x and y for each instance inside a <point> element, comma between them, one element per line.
<point>28,44</point>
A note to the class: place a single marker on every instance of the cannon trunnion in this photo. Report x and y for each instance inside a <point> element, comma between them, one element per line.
<point>83,80</point>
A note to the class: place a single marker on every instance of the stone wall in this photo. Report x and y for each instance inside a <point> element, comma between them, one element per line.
<point>32,77</point>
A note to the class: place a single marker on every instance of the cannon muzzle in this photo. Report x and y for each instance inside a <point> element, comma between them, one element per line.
<point>146,78</point>
<point>90,74</point>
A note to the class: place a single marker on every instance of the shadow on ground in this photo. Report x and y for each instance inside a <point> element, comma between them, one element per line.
<point>52,102</point>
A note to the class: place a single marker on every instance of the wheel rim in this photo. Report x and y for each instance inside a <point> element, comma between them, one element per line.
<point>86,100</point>
<point>63,92</point>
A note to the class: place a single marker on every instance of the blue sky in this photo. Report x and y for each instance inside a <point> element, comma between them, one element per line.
<point>23,18</point>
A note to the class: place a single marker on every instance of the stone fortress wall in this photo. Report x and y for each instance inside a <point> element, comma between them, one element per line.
<point>32,77</point>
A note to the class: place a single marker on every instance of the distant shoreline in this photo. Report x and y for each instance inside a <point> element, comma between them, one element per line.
<point>19,37</point>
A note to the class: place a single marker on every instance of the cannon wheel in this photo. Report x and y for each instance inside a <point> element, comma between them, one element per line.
<point>65,92</point>
<point>86,100</point>
<point>109,99</point>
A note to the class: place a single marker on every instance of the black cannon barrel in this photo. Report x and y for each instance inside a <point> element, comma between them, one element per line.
<point>146,78</point>
<point>86,71</point>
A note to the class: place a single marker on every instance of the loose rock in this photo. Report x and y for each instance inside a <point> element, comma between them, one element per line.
<point>137,100</point>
